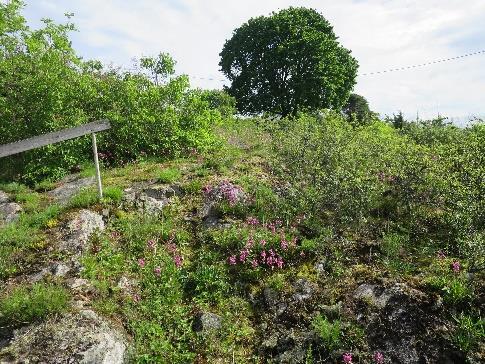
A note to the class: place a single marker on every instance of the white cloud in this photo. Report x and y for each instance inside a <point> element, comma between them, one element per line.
<point>382,34</point>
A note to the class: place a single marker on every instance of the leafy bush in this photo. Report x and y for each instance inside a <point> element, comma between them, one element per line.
<point>27,304</point>
<point>46,87</point>
<point>346,176</point>
<point>329,332</point>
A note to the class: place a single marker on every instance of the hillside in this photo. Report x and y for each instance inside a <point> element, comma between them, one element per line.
<point>215,258</point>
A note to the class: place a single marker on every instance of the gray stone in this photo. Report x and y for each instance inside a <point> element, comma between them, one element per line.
<point>150,200</point>
<point>9,212</point>
<point>59,269</point>
<point>80,229</point>
<point>82,337</point>
<point>206,322</point>
<point>303,290</point>
<point>373,295</point>
<point>70,187</point>
<point>4,198</point>
<point>80,285</point>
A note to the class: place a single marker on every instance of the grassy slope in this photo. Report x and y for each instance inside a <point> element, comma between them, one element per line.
<point>157,312</point>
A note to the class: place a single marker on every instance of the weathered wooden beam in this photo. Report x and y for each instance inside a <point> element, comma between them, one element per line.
<point>54,137</point>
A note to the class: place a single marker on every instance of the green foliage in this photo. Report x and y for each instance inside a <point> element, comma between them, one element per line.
<point>169,175</point>
<point>113,194</point>
<point>329,332</point>
<point>357,110</point>
<point>46,87</point>
<point>344,176</point>
<point>25,304</point>
<point>221,101</point>
<point>469,332</point>
<point>287,62</point>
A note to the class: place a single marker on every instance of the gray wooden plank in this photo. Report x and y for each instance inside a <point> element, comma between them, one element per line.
<point>54,137</point>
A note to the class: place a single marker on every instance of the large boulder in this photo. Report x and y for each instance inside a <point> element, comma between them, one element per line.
<point>150,199</point>
<point>404,324</point>
<point>9,212</point>
<point>69,187</point>
<point>82,337</point>
<point>79,230</point>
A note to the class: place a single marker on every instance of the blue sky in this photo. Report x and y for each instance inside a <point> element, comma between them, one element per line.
<point>382,34</point>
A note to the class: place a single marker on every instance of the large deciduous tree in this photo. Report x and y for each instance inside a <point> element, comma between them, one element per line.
<point>287,62</point>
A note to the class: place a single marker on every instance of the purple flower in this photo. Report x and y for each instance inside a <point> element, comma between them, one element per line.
<point>151,244</point>
<point>253,221</point>
<point>141,262</point>
<point>232,260</point>
<point>378,357</point>
<point>136,298</point>
<point>178,260</point>
<point>263,255</point>
<point>455,266</point>
<point>347,358</point>
<point>157,271</point>
<point>254,263</point>
<point>263,242</point>
<point>243,255</point>
<point>279,262</point>
<point>172,248</point>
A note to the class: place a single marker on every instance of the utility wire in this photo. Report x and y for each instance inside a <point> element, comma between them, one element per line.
<point>423,64</point>
<point>377,72</point>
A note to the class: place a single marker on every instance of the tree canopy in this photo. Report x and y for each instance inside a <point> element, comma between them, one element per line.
<point>287,62</point>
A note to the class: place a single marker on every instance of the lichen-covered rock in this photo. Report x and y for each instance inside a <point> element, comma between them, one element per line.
<point>303,290</point>
<point>4,198</point>
<point>403,323</point>
<point>82,337</point>
<point>9,212</point>
<point>79,230</point>
<point>206,322</point>
<point>150,199</point>
<point>69,187</point>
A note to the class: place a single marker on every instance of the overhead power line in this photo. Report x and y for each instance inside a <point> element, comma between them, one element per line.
<point>423,64</point>
<point>377,72</point>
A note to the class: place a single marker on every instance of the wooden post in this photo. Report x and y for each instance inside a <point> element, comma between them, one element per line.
<point>96,164</point>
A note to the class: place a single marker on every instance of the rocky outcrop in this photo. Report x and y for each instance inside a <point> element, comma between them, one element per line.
<point>79,230</point>
<point>81,337</point>
<point>150,199</point>
<point>69,187</point>
<point>206,322</point>
<point>404,324</point>
<point>9,211</point>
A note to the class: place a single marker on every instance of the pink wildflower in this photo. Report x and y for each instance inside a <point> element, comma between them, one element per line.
<point>441,254</point>
<point>455,266</point>
<point>254,263</point>
<point>243,255</point>
<point>157,271</point>
<point>263,242</point>
<point>347,358</point>
<point>136,298</point>
<point>378,357</point>
<point>151,244</point>
<point>232,260</point>
<point>172,248</point>
<point>178,260</point>
<point>141,262</point>
<point>263,254</point>
<point>253,221</point>
<point>279,262</point>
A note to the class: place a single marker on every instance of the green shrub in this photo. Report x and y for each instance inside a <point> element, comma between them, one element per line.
<point>329,332</point>
<point>113,194</point>
<point>169,175</point>
<point>24,304</point>
<point>47,87</point>
<point>469,332</point>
